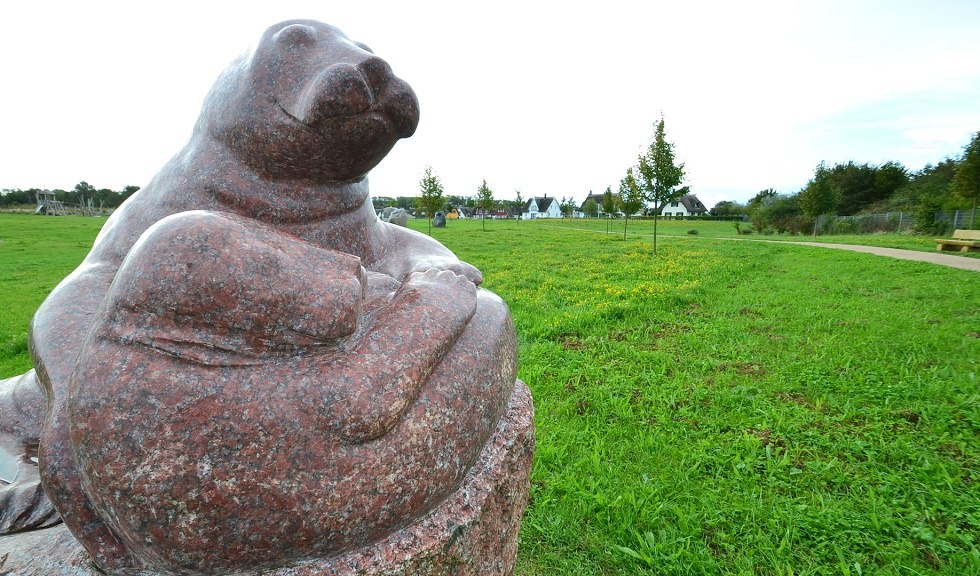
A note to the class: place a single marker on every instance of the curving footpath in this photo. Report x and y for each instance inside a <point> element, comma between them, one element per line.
<point>962,262</point>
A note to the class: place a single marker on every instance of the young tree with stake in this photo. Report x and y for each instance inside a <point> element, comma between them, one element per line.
<point>608,205</point>
<point>631,197</point>
<point>659,176</point>
<point>484,201</point>
<point>430,198</point>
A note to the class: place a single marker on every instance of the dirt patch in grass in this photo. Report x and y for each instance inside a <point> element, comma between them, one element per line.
<point>766,437</point>
<point>619,335</point>
<point>745,368</point>
<point>794,398</point>
<point>572,343</point>
<point>910,416</point>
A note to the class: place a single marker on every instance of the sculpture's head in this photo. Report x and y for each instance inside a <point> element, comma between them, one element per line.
<point>309,103</point>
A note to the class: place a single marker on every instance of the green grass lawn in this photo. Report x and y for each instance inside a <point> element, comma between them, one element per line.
<point>717,229</point>
<point>721,408</point>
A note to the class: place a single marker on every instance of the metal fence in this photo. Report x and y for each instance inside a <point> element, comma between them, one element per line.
<point>889,222</point>
<point>867,223</point>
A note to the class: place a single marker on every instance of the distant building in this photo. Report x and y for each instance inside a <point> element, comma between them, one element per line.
<point>686,205</point>
<point>598,200</point>
<point>542,207</point>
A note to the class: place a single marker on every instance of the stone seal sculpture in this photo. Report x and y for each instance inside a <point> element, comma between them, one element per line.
<point>395,216</point>
<point>252,373</point>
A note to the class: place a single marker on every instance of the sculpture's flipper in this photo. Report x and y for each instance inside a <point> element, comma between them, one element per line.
<point>23,502</point>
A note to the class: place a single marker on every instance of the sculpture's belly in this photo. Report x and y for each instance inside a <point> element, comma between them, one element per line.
<point>178,456</point>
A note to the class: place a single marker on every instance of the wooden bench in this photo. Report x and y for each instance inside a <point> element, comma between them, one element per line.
<point>963,241</point>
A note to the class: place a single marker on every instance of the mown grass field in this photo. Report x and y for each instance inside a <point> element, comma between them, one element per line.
<point>722,229</point>
<point>721,408</point>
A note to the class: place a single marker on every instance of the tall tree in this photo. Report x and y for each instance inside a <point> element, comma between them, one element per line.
<point>519,202</point>
<point>567,207</point>
<point>129,190</point>
<point>928,191</point>
<point>854,183</point>
<point>966,183</point>
<point>590,208</point>
<point>756,209</point>
<point>889,178</point>
<point>727,208</point>
<point>430,198</point>
<point>631,197</point>
<point>608,202</point>
<point>820,195</point>
<point>484,201</point>
<point>660,177</point>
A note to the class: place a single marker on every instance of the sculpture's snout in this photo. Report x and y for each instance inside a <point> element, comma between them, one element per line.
<point>337,92</point>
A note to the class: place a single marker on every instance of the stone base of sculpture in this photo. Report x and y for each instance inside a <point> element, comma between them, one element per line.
<point>473,532</point>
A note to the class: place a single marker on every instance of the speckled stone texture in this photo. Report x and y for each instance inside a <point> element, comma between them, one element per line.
<point>250,371</point>
<point>472,533</point>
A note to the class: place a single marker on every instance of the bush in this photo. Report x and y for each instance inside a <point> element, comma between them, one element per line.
<point>692,232</point>
<point>843,227</point>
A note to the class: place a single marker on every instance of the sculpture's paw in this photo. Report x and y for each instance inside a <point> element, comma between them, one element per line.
<point>444,292</point>
<point>181,291</point>
<point>461,268</point>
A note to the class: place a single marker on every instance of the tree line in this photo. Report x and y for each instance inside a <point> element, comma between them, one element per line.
<point>847,189</point>
<point>81,195</point>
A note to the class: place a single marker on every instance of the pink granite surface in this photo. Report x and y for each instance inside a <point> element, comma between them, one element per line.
<point>472,533</point>
<point>251,370</point>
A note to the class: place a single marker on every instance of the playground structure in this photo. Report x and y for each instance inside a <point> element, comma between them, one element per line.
<point>47,204</point>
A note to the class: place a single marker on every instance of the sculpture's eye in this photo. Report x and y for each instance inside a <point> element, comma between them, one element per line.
<point>364,47</point>
<point>296,35</point>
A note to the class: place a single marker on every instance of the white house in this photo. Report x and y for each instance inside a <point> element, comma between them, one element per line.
<point>686,205</point>
<point>542,207</point>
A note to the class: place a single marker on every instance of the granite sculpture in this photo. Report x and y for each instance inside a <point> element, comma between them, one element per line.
<point>397,216</point>
<point>251,372</point>
<point>439,220</point>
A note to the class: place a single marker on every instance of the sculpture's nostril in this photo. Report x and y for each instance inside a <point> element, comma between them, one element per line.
<point>376,72</point>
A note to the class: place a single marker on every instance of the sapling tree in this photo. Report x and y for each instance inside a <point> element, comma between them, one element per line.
<point>567,207</point>
<point>430,198</point>
<point>484,201</point>
<point>631,197</point>
<point>660,177</point>
<point>519,203</point>
<point>608,205</point>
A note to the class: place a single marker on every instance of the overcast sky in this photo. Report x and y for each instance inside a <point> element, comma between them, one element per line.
<point>553,98</point>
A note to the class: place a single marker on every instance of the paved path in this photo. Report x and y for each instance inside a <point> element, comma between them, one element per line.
<point>953,261</point>
<point>964,262</point>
